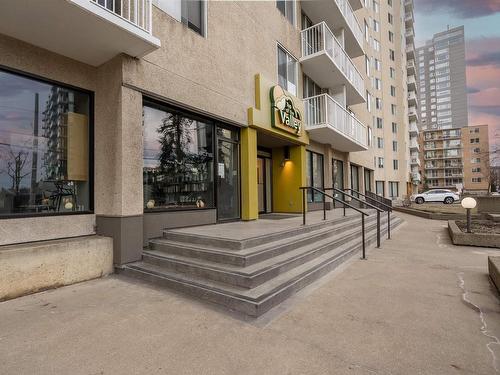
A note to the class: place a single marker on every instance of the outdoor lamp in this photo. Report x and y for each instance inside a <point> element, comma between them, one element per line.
<point>469,203</point>
<point>286,156</point>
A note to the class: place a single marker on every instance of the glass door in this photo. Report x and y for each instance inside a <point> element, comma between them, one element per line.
<point>261,184</point>
<point>354,178</point>
<point>228,176</point>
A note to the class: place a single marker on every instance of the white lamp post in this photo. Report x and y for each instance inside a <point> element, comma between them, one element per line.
<point>469,203</point>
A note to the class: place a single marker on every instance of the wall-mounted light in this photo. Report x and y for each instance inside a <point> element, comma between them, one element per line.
<point>286,156</point>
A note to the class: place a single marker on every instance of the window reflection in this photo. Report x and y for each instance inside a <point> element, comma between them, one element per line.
<point>44,144</point>
<point>178,160</point>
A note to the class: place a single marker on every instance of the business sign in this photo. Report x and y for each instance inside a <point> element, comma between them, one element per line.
<point>284,113</point>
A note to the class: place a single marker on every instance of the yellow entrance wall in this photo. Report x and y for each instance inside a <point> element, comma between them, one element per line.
<point>249,192</point>
<point>288,177</point>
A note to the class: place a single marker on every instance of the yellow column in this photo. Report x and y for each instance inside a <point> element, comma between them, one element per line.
<point>288,178</point>
<point>249,193</point>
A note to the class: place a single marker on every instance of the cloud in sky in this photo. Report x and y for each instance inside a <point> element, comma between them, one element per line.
<point>461,8</point>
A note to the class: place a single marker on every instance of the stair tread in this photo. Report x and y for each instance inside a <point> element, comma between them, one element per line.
<point>261,291</point>
<point>262,247</point>
<point>259,267</point>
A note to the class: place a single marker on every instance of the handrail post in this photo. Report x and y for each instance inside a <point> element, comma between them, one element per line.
<point>378,229</point>
<point>324,206</point>
<point>388,224</point>
<point>363,234</point>
<point>303,206</point>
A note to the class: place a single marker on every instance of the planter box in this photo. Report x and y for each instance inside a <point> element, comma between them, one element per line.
<point>472,239</point>
<point>494,271</point>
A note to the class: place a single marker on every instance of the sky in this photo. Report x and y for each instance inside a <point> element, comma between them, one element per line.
<point>481,19</point>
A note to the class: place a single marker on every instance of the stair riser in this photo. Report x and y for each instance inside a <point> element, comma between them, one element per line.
<point>242,261</point>
<point>229,244</point>
<point>248,307</point>
<point>248,281</point>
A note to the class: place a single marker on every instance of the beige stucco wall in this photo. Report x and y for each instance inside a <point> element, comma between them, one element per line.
<point>30,268</point>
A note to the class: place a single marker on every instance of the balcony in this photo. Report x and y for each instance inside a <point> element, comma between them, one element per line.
<point>339,15</point>
<point>414,145</point>
<point>415,161</point>
<point>409,5</point>
<point>416,177</point>
<point>329,123</point>
<point>413,129</point>
<point>412,99</point>
<point>325,61</point>
<point>412,83</point>
<point>410,51</point>
<point>411,69</point>
<point>409,20</point>
<point>90,31</point>
<point>409,34</point>
<point>412,113</point>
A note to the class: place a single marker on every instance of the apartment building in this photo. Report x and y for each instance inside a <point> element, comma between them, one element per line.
<point>443,106</point>
<point>476,151</point>
<point>413,102</point>
<point>146,115</point>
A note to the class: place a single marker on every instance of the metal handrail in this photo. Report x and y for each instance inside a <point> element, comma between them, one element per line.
<point>389,209</point>
<point>363,214</point>
<point>379,210</point>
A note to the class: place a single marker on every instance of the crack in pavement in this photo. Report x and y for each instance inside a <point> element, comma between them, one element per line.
<point>484,326</point>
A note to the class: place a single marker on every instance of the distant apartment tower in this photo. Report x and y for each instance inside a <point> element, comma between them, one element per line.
<point>477,172</point>
<point>442,109</point>
<point>442,81</point>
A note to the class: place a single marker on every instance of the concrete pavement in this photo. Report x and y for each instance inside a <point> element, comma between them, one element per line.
<point>419,305</point>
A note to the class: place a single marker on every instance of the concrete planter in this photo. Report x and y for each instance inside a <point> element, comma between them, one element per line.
<point>472,239</point>
<point>494,271</point>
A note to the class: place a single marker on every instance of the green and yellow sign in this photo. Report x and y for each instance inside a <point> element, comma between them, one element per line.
<point>284,113</point>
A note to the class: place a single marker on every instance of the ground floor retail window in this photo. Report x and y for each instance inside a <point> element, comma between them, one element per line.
<point>315,175</point>
<point>380,188</point>
<point>393,189</point>
<point>338,175</point>
<point>190,162</point>
<point>354,179</point>
<point>45,133</point>
<point>368,180</point>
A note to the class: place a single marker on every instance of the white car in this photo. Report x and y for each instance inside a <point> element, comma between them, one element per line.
<point>436,195</point>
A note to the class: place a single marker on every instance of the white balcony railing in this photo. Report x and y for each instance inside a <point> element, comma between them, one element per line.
<point>319,38</point>
<point>137,12</point>
<point>348,13</point>
<point>323,110</point>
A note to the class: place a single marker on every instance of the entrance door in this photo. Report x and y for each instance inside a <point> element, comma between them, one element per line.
<point>261,183</point>
<point>355,178</point>
<point>228,179</point>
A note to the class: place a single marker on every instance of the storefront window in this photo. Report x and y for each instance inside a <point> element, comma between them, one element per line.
<point>44,147</point>
<point>178,160</point>
<point>315,175</point>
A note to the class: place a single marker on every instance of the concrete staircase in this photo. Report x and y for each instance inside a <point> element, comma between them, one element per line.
<point>255,274</point>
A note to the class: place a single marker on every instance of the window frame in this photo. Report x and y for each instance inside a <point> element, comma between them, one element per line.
<point>278,46</point>
<point>91,156</point>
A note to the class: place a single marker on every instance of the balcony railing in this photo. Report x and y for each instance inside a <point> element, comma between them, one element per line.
<point>137,12</point>
<point>323,110</point>
<point>415,161</point>
<point>318,39</point>
<point>348,13</point>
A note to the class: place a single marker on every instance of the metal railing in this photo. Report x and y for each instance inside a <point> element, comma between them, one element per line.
<point>324,110</point>
<point>348,13</point>
<point>324,196</point>
<point>137,12</point>
<point>319,38</point>
<point>366,204</point>
<point>381,202</point>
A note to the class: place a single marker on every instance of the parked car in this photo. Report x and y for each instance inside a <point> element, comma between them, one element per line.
<point>436,195</point>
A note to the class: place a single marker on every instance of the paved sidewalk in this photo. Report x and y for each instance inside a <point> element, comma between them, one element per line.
<point>403,311</point>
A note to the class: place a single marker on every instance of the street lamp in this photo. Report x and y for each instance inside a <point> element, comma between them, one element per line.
<point>469,203</point>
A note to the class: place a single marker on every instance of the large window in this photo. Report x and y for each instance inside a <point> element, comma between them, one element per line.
<point>287,71</point>
<point>178,160</point>
<point>190,13</point>
<point>44,147</point>
<point>393,189</point>
<point>287,8</point>
<point>315,175</point>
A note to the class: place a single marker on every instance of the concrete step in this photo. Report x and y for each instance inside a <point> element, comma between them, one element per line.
<point>255,274</point>
<point>261,252</point>
<point>259,299</point>
<point>234,244</point>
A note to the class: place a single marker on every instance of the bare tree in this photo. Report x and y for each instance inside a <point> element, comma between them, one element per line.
<point>15,165</point>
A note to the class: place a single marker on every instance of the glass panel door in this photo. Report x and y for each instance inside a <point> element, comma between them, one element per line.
<point>354,178</point>
<point>228,187</point>
<point>338,175</point>
<point>261,183</point>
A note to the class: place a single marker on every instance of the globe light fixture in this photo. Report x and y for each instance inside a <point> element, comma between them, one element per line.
<point>469,203</point>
